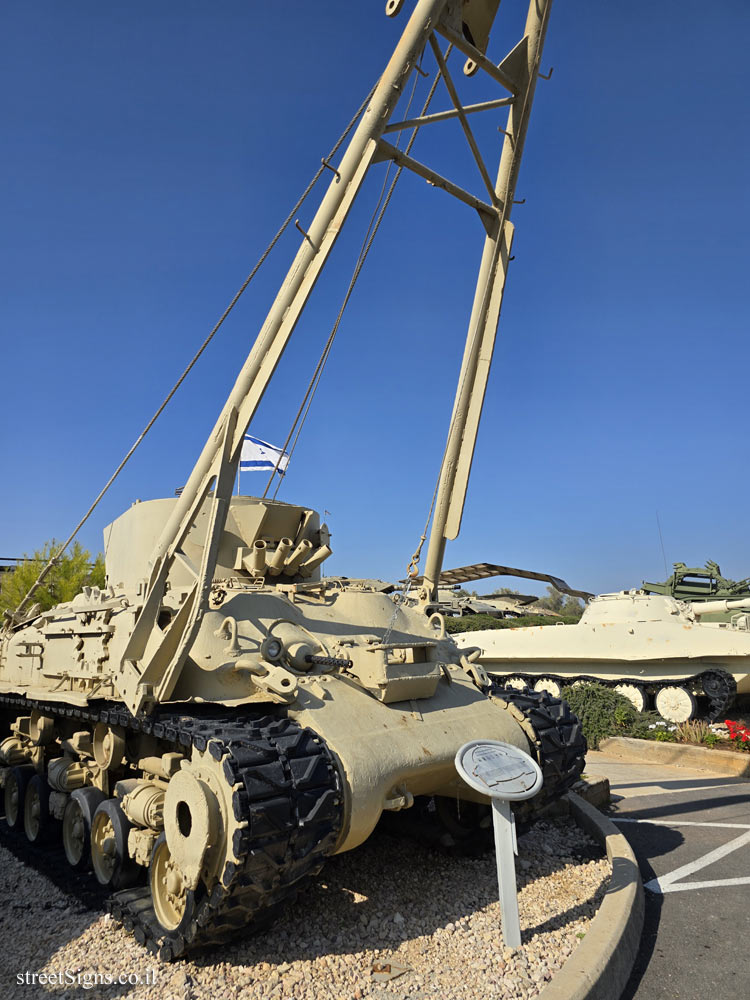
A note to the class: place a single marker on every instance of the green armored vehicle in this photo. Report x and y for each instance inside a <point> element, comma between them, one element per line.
<point>699,585</point>
<point>218,720</point>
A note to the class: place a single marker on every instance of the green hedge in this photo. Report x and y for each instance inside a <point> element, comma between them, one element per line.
<point>473,623</point>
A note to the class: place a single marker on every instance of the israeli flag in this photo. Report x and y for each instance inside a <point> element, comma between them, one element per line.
<point>260,456</point>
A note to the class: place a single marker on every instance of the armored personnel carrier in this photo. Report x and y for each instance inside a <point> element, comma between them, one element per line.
<point>218,720</point>
<point>701,584</point>
<point>649,647</point>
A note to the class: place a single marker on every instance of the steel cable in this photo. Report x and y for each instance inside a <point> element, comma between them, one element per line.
<point>58,554</point>
<point>372,230</point>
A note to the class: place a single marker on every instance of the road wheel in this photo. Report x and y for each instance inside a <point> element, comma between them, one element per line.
<point>76,826</point>
<point>466,827</point>
<point>635,695</point>
<point>550,685</point>
<point>173,902</point>
<point>16,784</point>
<point>514,682</point>
<point>675,704</point>
<point>37,822</point>
<point>113,865</point>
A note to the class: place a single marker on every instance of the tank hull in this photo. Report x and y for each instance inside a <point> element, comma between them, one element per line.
<point>288,733</point>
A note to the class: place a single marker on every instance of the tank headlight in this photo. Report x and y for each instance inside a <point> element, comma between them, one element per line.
<point>271,648</point>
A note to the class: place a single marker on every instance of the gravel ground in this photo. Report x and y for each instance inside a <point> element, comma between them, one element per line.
<point>392,903</point>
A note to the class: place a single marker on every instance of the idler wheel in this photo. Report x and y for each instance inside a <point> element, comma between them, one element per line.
<point>173,901</point>
<point>16,784</point>
<point>113,865</point>
<point>191,823</point>
<point>37,822</point>
<point>76,826</point>
<point>675,704</point>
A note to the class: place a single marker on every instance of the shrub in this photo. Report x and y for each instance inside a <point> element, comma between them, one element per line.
<point>663,736</point>
<point>474,623</point>
<point>604,712</point>
<point>696,731</point>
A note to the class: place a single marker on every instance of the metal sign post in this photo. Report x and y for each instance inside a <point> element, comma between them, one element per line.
<point>506,774</point>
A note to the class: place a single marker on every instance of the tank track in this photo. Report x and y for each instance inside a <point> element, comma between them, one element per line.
<point>721,689</point>
<point>557,737</point>
<point>284,784</point>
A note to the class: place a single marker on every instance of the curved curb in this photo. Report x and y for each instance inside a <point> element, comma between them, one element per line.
<point>600,966</point>
<point>725,762</point>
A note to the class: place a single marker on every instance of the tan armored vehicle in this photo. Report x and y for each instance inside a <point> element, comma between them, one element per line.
<point>216,722</point>
<point>647,646</point>
<point>455,605</point>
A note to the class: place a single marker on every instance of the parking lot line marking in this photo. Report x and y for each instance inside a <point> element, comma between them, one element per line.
<point>683,822</point>
<point>680,886</point>
<point>668,883</point>
<point>664,789</point>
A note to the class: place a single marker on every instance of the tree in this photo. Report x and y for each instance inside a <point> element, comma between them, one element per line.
<point>74,571</point>
<point>561,604</point>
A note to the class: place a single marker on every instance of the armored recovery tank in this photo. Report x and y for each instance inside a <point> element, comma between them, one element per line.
<point>649,647</point>
<point>218,720</point>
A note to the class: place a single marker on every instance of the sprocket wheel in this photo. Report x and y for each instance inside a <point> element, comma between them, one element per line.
<point>721,689</point>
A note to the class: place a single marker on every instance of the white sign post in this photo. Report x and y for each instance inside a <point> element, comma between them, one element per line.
<point>507,775</point>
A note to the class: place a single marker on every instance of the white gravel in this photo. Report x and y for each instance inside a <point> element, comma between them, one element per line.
<point>390,903</point>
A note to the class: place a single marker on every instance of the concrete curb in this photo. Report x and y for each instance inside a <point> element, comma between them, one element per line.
<point>600,966</point>
<point>724,762</point>
<point>594,789</point>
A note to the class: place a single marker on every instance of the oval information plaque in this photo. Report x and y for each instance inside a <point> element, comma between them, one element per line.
<point>506,774</point>
<point>498,769</point>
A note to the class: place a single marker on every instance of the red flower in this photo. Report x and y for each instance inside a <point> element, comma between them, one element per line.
<point>737,731</point>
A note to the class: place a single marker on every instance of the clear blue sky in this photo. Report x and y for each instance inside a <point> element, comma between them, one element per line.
<point>151,150</point>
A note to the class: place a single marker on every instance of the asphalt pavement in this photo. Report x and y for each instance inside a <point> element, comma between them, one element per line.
<point>690,831</point>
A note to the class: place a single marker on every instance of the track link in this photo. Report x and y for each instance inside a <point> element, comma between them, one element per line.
<point>286,796</point>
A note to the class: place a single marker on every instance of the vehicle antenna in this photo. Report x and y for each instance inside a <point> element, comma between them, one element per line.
<point>661,541</point>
